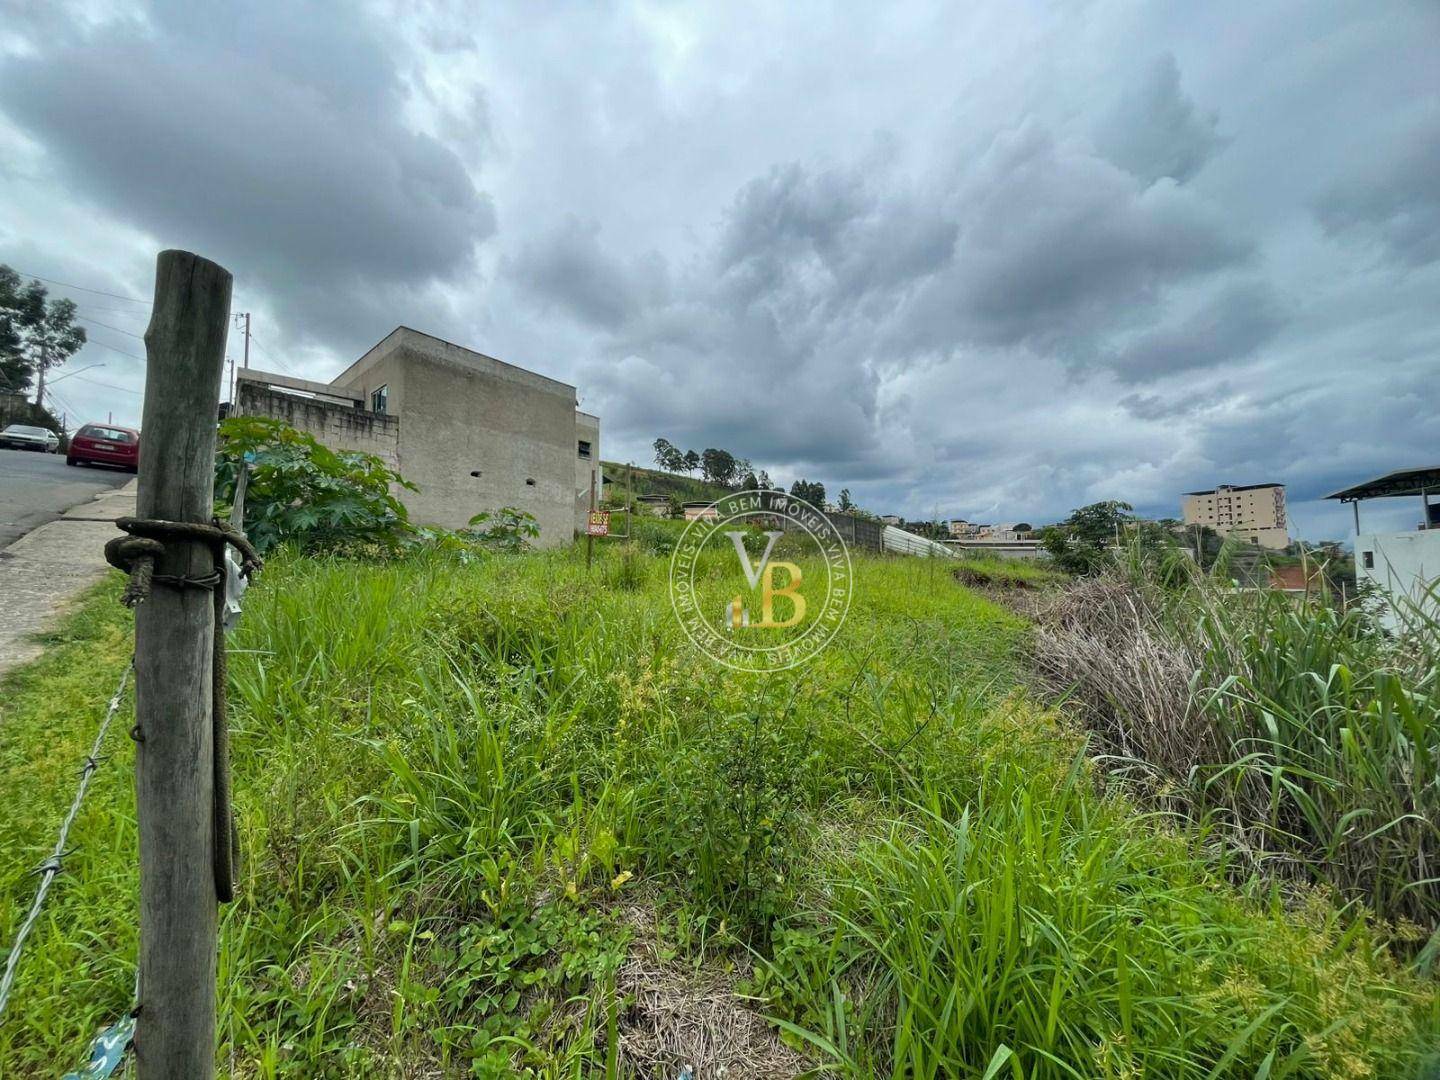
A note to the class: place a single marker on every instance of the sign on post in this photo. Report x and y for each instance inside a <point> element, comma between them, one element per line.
<point>599,523</point>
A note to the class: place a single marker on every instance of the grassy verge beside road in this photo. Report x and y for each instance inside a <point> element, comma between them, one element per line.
<point>500,819</point>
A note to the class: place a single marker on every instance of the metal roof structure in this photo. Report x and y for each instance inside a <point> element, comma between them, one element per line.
<point>1399,483</point>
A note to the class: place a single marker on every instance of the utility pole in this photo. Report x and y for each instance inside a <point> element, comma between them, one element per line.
<point>44,363</point>
<point>231,398</point>
<point>589,539</point>
<point>174,627</point>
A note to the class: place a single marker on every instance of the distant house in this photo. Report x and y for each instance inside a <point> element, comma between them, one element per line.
<point>472,432</point>
<point>891,519</point>
<point>1402,566</point>
<point>654,505</point>
<point>1293,579</point>
<point>698,510</point>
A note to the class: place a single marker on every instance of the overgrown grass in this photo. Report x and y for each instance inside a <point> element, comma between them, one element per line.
<point>470,794</point>
<point>1307,736</point>
<point>998,573</point>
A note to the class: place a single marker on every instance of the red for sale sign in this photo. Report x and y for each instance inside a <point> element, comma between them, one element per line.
<point>599,524</point>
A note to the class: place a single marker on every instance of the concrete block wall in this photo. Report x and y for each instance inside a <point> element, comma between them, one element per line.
<point>487,442</point>
<point>340,427</point>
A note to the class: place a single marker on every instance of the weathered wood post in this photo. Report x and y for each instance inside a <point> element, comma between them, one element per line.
<point>589,536</point>
<point>174,767</point>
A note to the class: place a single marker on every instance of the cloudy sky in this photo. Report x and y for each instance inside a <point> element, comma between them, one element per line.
<point>981,260</point>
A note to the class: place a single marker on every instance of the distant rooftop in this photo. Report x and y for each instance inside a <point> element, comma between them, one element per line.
<point>1402,482</point>
<point>1234,487</point>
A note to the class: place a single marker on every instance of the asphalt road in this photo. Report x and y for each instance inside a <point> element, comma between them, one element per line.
<point>36,488</point>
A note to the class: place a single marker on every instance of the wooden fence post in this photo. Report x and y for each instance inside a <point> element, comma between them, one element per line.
<point>174,767</point>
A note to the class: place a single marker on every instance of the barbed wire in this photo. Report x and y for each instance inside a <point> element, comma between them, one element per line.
<point>51,866</point>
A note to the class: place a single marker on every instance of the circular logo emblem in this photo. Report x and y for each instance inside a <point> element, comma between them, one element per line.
<point>760,580</point>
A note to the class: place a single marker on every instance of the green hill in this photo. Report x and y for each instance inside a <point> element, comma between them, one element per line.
<point>654,482</point>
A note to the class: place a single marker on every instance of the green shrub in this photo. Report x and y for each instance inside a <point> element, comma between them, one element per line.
<point>301,492</point>
<point>507,529</point>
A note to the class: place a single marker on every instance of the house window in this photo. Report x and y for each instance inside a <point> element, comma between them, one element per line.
<point>379,399</point>
<point>1369,557</point>
<point>584,449</point>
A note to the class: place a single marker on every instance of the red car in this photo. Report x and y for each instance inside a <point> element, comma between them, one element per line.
<point>105,444</point>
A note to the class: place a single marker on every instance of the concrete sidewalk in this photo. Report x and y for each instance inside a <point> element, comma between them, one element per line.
<point>43,571</point>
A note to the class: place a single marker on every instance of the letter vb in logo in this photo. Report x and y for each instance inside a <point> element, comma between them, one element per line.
<point>762,577</point>
<point>765,613</point>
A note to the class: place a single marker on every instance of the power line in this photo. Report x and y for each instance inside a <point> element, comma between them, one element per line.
<point>111,386</point>
<point>119,311</point>
<point>65,406</point>
<point>112,348</point>
<point>107,326</point>
<point>82,288</point>
<point>271,356</point>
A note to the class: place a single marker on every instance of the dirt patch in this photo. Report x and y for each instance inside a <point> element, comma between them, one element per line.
<point>677,1018</point>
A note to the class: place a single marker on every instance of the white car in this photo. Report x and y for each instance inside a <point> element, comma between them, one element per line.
<point>23,437</point>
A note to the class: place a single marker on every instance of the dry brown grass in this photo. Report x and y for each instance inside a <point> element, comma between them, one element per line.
<point>1101,647</point>
<point>678,1017</point>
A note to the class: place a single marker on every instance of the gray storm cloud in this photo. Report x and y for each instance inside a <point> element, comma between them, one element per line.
<point>999,257</point>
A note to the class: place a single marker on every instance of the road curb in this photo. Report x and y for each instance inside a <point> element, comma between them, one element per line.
<point>42,572</point>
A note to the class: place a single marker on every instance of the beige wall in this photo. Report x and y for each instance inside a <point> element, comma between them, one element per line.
<point>463,413</point>
<point>471,432</point>
<point>340,427</point>
<point>521,443</point>
<point>1256,514</point>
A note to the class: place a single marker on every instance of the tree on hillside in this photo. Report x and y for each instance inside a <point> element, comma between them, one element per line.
<point>718,466</point>
<point>845,504</point>
<point>1079,544</point>
<point>692,461</point>
<point>812,493</point>
<point>36,334</point>
<point>762,481</point>
<point>669,456</point>
<point>750,482</point>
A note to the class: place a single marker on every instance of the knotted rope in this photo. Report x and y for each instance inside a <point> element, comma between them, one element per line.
<point>136,555</point>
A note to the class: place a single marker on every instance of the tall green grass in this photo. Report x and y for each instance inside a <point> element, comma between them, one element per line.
<point>470,793</point>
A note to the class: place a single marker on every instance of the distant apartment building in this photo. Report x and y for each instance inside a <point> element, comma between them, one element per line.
<point>1254,512</point>
<point>891,519</point>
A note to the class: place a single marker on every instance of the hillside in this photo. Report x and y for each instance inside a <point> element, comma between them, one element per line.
<point>655,482</point>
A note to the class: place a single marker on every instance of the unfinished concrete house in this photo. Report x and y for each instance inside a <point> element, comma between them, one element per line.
<point>472,432</point>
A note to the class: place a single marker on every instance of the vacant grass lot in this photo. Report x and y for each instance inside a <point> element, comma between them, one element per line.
<point>500,819</point>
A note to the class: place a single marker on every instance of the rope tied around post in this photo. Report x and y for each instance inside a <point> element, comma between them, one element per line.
<point>136,554</point>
